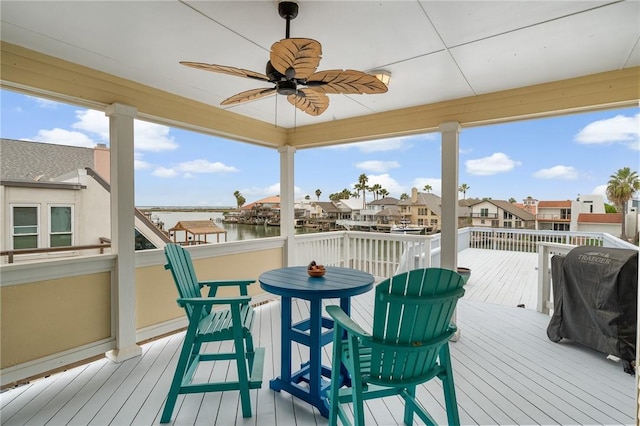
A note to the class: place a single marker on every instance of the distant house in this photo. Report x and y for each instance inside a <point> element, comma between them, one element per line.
<point>500,214</point>
<point>422,209</point>
<point>610,223</point>
<point>53,196</point>
<point>586,213</point>
<point>554,215</point>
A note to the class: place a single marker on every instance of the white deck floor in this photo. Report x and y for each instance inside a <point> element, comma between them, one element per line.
<point>506,372</point>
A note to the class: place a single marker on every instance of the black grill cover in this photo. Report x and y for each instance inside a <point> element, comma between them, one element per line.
<point>595,293</point>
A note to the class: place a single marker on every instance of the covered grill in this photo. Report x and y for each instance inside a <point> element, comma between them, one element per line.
<point>595,292</point>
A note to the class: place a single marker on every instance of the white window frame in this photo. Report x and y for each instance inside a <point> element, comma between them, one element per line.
<point>50,232</point>
<point>37,234</point>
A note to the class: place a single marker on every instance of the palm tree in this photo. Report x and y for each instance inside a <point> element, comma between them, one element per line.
<point>376,190</point>
<point>464,188</point>
<point>512,200</point>
<point>428,188</point>
<point>362,186</point>
<point>240,200</point>
<point>620,188</point>
<point>383,192</point>
<point>318,192</point>
<point>404,196</point>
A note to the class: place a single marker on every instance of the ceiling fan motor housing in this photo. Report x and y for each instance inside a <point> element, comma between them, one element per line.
<point>286,87</point>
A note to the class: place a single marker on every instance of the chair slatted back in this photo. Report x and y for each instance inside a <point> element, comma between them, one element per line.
<point>181,266</point>
<point>413,311</point>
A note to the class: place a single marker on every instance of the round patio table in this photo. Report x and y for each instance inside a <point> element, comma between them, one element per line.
<point>338,283</point>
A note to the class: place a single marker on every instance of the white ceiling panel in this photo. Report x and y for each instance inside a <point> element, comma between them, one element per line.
<point>436,50</point>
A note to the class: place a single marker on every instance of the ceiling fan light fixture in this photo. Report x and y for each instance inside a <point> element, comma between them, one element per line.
<point>382,75</point>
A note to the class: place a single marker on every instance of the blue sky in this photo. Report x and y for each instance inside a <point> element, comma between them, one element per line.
<point>548,159</point>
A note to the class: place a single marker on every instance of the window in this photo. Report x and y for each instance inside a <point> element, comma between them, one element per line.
<point>484,212</point>
<point>142,243</point>
<point>508,224</point>
<point>60,226</point>
<point>565,213</point>
<point>507,215</point>
<point>518,223</point>
<point>25,227</point>
<point>434,222</point>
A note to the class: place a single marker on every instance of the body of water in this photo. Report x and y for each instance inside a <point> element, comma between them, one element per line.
<point>235,232</point>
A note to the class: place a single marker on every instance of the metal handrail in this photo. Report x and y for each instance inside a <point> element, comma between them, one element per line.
<point>105,243</point>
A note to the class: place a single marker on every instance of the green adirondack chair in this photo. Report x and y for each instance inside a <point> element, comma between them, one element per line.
<point>409,345</point>
<point>207,324</point>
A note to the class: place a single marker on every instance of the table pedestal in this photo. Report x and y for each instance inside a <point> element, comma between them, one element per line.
<point>309,333</point>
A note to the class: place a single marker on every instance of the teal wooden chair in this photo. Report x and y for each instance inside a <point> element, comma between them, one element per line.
<point>408,345</point>
<point>208,324</point>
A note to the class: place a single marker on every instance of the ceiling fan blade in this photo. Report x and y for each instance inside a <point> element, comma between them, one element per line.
<point>249,95</point>
<point>223,69</point>
<point>309,101</point>
<point>346,82</point>
<point>301,54</point>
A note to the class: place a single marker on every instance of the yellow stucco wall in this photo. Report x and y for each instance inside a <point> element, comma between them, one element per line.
<point>156,293</point>
<point>47,317</point>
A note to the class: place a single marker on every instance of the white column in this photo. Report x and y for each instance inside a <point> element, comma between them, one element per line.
<point>287,200</point>
<point>450,146</point>
<point>449,243</point>
<point>123,231</point>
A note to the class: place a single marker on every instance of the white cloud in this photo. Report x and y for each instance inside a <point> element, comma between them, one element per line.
<point>141,165</point>
<point>147,136</point>
<point>377,166</point>
<point>494,164</point>
<point>164,172</point>
<point>254,193</point>
<point>619,129</point>
<point>386,182</point>
<point>59,136</point>
<point>600,190</point>
<point>204,166</point>
<point>152,137</point>
<point>436,185</point>
<point>390,144</point>
<point>92,121</point>
<point>45,103</point>
<point>557,172</point>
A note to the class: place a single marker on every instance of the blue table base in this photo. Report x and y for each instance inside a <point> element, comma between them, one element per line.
<point>302,376</point>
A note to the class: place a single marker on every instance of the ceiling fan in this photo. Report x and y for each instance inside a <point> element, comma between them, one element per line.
<point>292,69</point>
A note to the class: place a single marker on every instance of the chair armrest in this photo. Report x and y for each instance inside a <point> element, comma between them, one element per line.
<point>209,301</point>
<point>226,282</point>
<point>214,284</point>
<point>340,317</point>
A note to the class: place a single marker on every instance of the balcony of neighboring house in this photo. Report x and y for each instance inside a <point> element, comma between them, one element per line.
<point>484,215</point>
<point>553,217</point>
<point>506,369</point>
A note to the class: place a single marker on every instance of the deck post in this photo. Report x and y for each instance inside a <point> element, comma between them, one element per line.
<point>449,250</point>
<point>287,211</point>
<point>122,226</point>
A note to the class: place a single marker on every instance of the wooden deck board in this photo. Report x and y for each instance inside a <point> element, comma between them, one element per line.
<point>506,371</point>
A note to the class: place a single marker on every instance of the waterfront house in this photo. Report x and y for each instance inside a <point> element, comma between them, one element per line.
<point>554,215</point>
<point>586,213</point>
<point>468,64</point>
<point>422,209</point>
<point>500,214</point>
